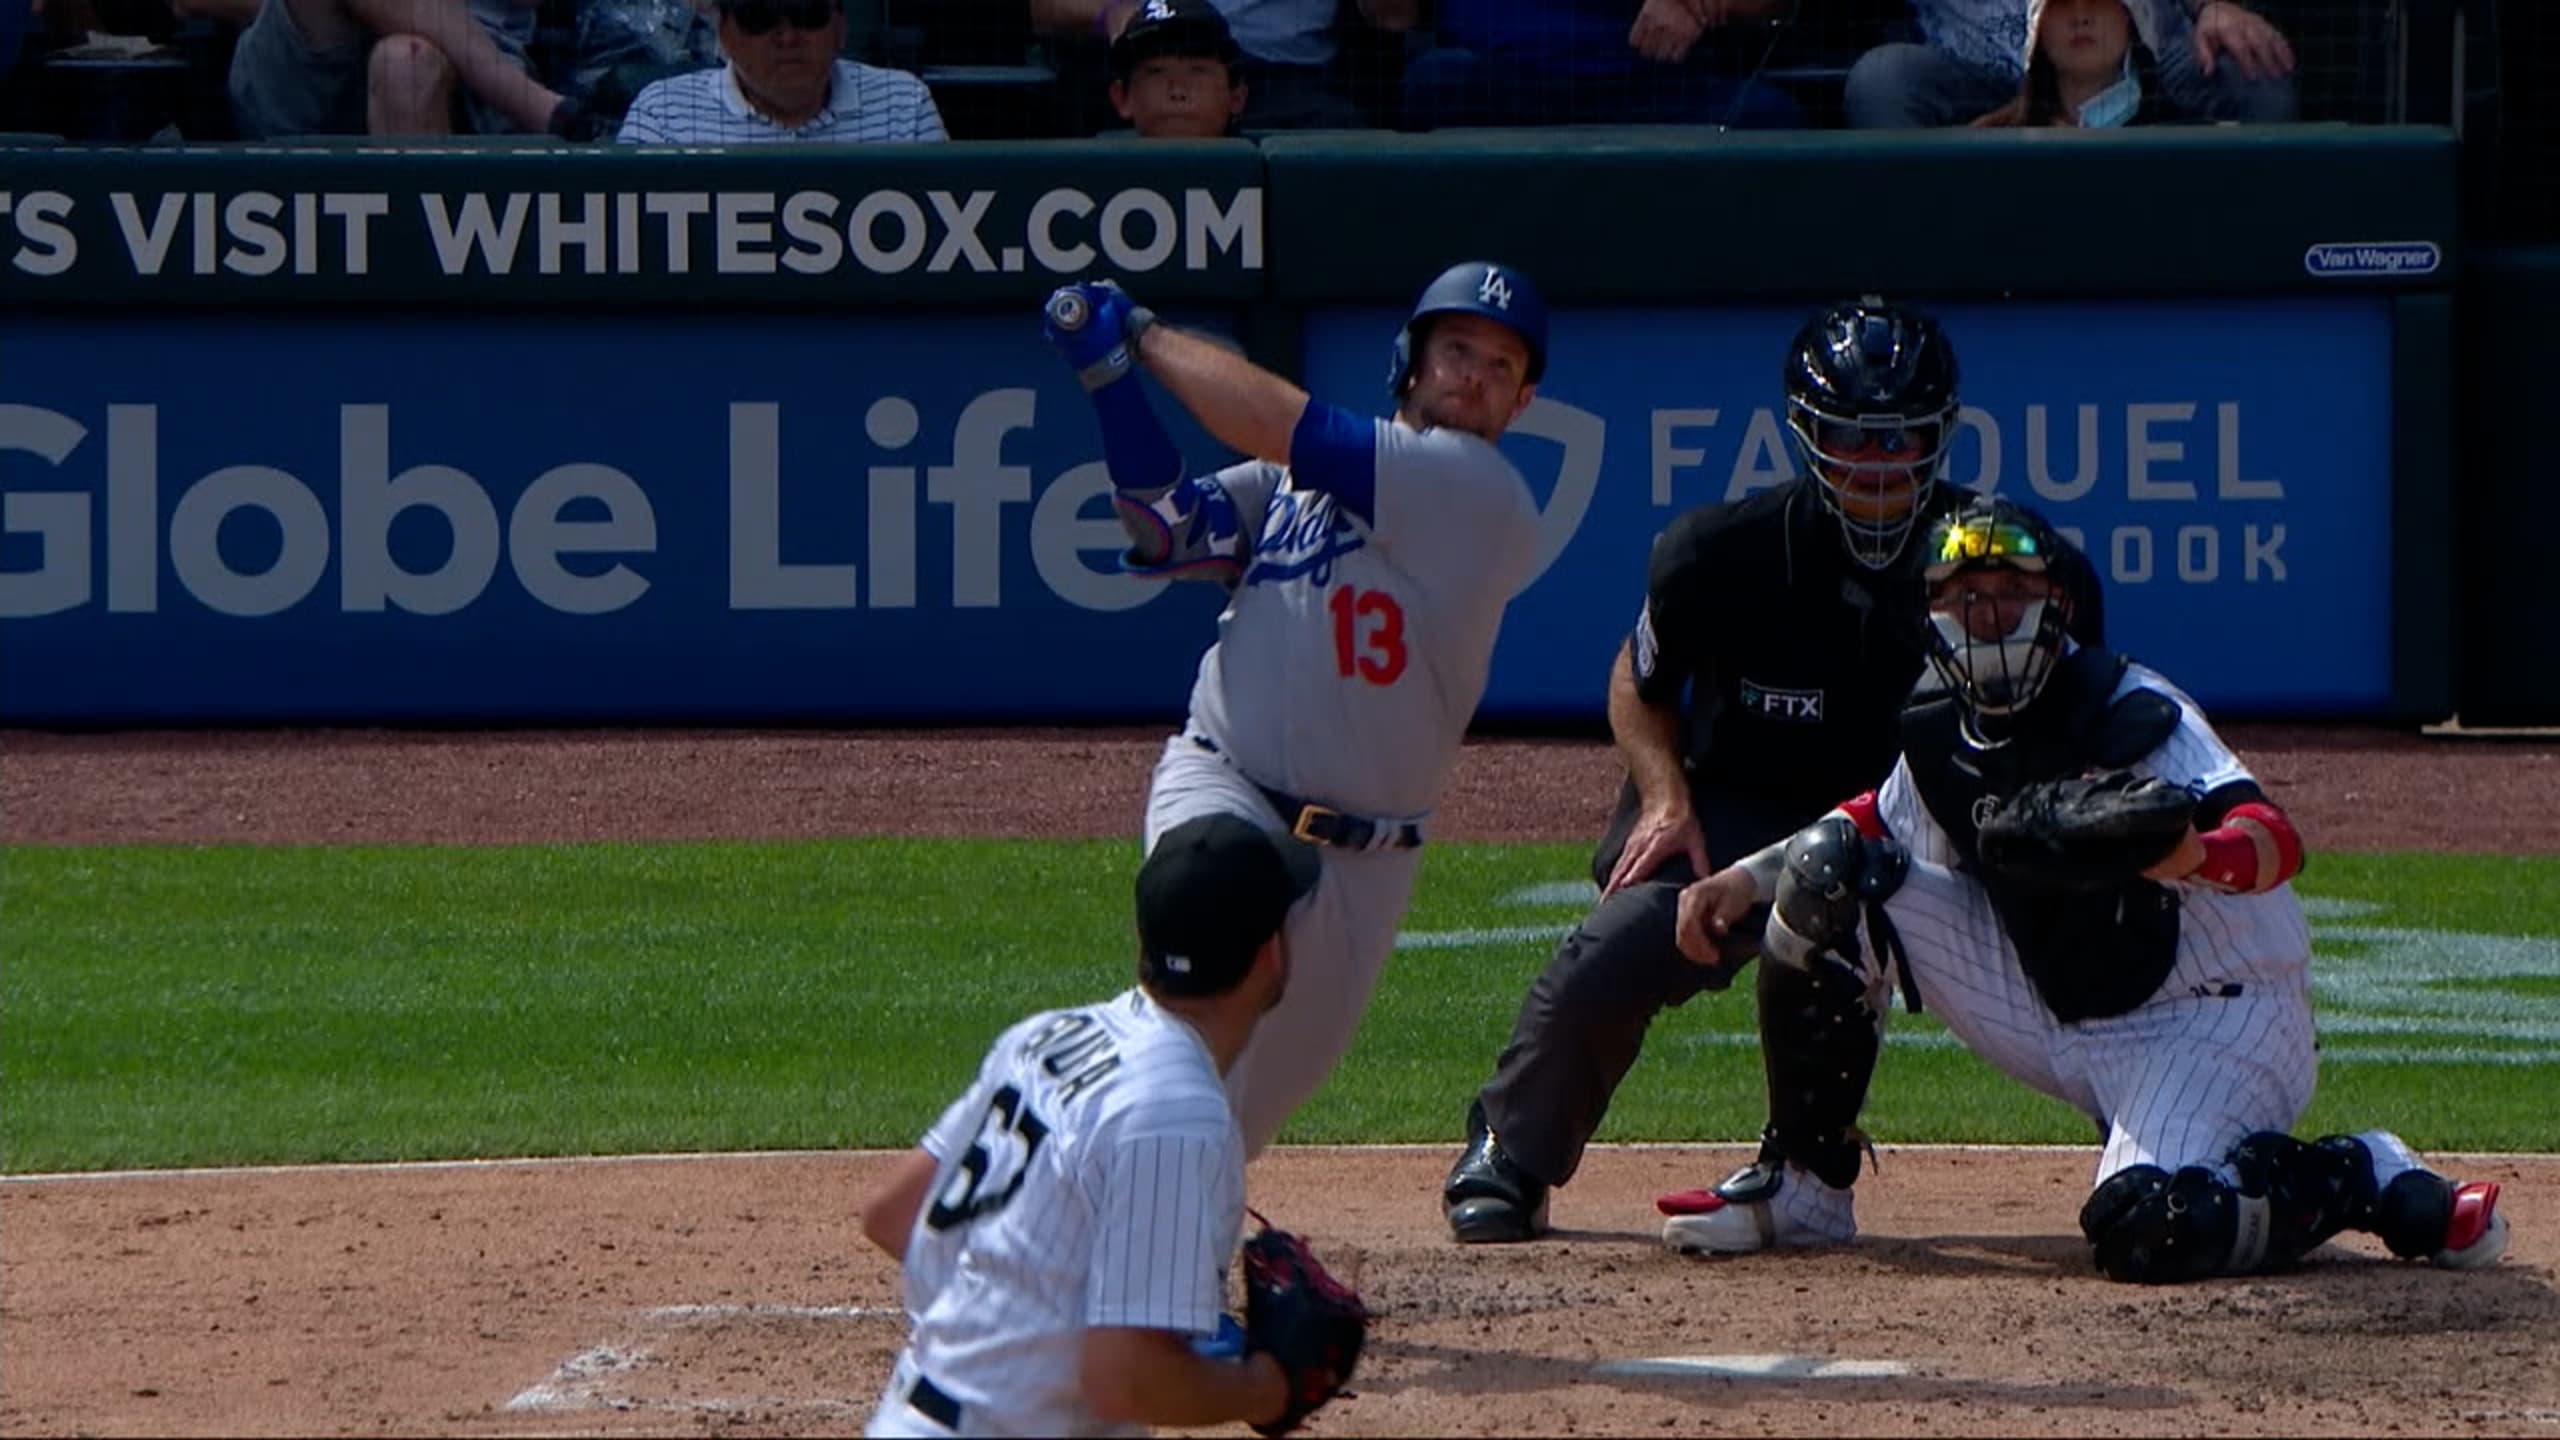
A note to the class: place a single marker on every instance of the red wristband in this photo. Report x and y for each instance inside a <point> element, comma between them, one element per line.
<point>1862,813</point>
<point>2247,859</point>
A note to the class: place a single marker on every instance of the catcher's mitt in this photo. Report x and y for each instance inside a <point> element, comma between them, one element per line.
<point>2092,832</point>
<point>1308,1321</point>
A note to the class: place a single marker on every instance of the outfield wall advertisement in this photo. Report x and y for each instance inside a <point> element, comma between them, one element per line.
<point>854,517</point>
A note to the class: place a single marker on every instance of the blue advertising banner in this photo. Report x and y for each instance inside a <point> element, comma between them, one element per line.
<point>718,516</point>
<point>2227,465</point>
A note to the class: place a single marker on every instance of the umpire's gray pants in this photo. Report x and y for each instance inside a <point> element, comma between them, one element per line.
<point>1583,1021</point>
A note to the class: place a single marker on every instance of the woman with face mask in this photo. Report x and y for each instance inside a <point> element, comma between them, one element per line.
<point>2090,63</point>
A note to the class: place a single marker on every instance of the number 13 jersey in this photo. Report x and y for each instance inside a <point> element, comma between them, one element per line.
<point>1092,1176</point>
<point>1360,632</point>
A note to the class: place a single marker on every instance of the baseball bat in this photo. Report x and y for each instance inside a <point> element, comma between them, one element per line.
<point>1068,310</point>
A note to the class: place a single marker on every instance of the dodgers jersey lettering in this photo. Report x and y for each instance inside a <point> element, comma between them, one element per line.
<point>1352,654</point>
<point>1092,1176</point>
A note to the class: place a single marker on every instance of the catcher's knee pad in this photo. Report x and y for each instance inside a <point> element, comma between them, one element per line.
<point>2150,1227</point>
<point>1832,873</point>
<point>1819,1035</point>
<point>2313,1189</point>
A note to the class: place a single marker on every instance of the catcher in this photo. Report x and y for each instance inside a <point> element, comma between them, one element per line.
<point>2074,873</point>
<point>1065,1227</point>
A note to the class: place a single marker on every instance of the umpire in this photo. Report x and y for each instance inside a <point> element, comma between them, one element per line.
<point>1779,638</point>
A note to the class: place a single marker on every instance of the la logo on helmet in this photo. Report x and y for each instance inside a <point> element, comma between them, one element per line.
<point>1494,290</point>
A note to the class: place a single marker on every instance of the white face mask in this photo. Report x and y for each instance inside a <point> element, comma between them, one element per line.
<point>2114,105</point>
<point>1998,675</point>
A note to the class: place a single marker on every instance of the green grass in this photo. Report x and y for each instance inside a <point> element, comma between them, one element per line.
<point>214,1005</point>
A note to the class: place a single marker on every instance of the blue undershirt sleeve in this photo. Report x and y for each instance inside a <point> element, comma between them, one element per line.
<point>1336,451</point>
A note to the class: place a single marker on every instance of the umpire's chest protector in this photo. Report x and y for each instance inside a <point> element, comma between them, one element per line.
<point>2089,954</point>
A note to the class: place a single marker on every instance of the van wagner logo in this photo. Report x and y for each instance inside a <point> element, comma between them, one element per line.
<point>2372,257</point>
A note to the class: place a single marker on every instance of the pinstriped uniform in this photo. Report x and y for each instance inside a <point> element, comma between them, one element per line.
<point>2224,1046</point>
<point>1348,664</point>
<point>866,104</point>
<point>1092,1176</point>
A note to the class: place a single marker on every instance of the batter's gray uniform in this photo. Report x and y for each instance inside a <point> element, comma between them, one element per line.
<point>1347,666</point>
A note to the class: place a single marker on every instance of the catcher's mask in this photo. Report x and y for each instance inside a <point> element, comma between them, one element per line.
<point>1871,402</point>
<point>1995,642</point>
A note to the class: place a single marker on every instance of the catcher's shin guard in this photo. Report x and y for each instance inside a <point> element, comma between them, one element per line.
<point>1820,1026</point>
<point>2313,1189</point>
<point>2150,1227</point>
<point>2290,1197</point>
<point>1818,1043</point>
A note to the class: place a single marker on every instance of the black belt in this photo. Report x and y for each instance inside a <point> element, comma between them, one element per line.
<point>1322,824</point>
<point>930,1402</point>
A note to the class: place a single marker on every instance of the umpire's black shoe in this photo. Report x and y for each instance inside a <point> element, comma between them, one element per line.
<point>1488,1199</point>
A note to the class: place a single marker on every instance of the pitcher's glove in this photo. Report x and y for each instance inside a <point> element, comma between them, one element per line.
<point>1309,1322</point>
<point>2091,832</point>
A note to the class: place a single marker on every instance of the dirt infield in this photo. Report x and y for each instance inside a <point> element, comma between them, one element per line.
<point>733,1296</point>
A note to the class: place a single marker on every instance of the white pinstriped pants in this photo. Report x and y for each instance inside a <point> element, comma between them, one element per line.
<point>2177,1080</point>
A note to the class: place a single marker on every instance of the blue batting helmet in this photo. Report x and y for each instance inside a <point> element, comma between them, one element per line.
<point>1476,287</point>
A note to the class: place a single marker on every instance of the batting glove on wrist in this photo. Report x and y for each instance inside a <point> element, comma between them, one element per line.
<point>1096,326</point>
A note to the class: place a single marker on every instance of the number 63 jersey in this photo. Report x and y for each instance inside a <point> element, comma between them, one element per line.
<point>1092,1176</point>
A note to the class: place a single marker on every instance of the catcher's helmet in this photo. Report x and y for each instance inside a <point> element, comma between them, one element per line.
<point>1995,668</point>
<point>1475,287</point>
<point>1871,401</point>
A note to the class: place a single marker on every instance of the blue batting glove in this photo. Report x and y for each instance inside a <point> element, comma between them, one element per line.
<point>1095,325</point>
<point>1086,321</point>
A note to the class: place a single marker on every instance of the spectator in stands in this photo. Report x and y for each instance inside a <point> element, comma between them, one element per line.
<point>392,67</point>
<point>786,80</point>
<point>1288,50</point>
<point>1173,72</point>
<point>2089,63</point>
<point>1605,62</point>
<point>2217,59</point>
<point>665,35</point>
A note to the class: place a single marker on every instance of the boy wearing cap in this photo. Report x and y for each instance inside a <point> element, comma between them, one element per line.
<point>1173,72</point>
<point>1065,1227</point>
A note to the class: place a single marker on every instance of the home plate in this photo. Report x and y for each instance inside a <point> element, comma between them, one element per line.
<point>1759,1367</point>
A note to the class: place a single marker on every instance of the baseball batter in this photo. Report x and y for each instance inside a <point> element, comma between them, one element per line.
<point>1368,564</point>
<point>2171,1006</point>
<point>1066,1226</point>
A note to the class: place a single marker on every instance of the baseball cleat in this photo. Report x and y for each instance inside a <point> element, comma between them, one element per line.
<point>1758,1207</point>
<point>2477,1234</point>
<point>1488,1199</point>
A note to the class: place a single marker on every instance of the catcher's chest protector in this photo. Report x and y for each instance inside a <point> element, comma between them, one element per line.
<point>2089,955</point>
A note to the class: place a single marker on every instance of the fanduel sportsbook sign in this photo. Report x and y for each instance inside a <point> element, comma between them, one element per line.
<point>901,225</point>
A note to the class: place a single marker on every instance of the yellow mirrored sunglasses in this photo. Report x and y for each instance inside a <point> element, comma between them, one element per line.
<point>1986,539</point>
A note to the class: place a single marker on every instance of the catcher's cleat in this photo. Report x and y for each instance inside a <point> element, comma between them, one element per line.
<point>1758,1207</point>
<point>2421,1215</point>
<point>2477,1234</point>
<point>1488,1198</point>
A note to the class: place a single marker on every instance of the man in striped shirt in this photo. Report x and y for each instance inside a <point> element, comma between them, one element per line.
<point>1065,1227</point>
<point>785,80</point>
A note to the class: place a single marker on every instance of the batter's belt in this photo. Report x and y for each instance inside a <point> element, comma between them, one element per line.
<point>1322,824</point>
